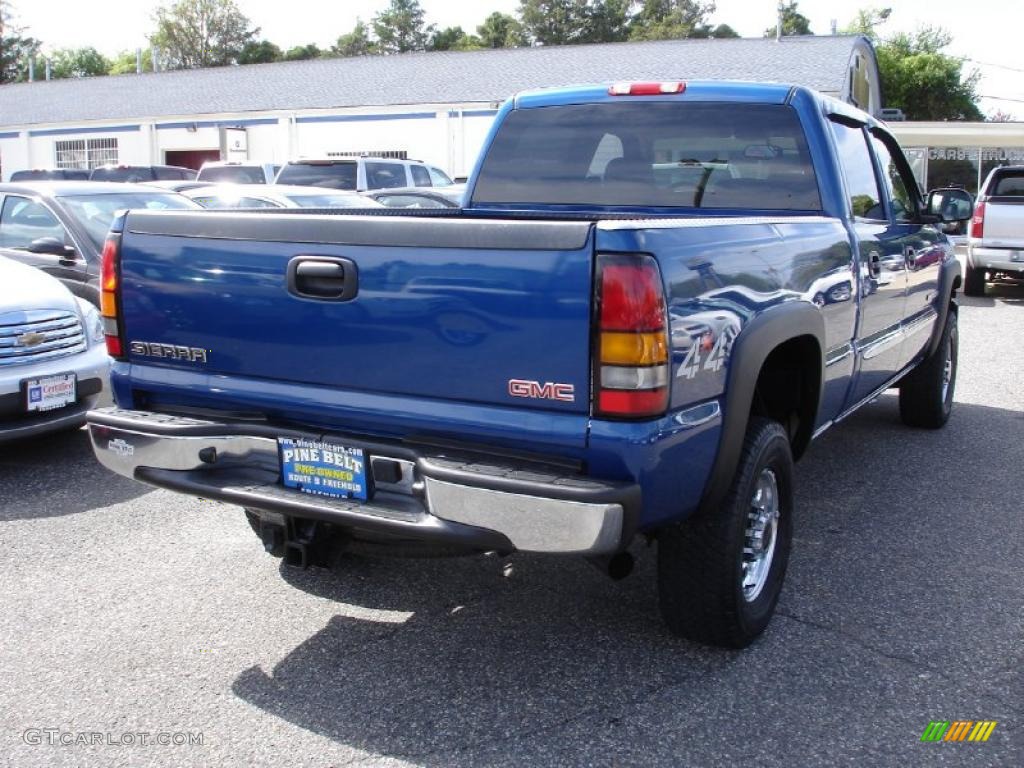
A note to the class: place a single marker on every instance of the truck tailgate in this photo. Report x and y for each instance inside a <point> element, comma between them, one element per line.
<point>450,308</point>
<point>1004,223</point>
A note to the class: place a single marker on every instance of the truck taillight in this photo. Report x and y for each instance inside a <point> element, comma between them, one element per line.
<point>978,221</point>
<point>109,278</point>
<point>631,348</point>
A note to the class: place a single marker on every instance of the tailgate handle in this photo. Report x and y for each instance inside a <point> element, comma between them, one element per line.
<point>328,278</point>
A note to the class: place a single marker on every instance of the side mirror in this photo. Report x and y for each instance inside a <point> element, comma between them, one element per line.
<point>950,204</point>
<point>52,247</point>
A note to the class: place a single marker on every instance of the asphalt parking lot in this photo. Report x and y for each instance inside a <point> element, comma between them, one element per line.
<point>125,610</point>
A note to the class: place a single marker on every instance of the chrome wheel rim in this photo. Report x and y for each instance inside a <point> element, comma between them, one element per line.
<point>761,534</point>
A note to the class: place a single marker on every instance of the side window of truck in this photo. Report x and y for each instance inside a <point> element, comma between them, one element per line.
<point>438,177</point>
<point>385,175</point>
<point>859,170</point>
<point>420,176</point>
<point>897,178</point>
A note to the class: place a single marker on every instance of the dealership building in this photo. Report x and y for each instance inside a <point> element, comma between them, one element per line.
<point>436,106</point>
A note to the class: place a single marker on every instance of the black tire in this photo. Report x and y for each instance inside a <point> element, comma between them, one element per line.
<point>974,282</point>
<point>701,560</point>
<point>925,399</point>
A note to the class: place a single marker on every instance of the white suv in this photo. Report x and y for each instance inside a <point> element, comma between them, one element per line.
<point>361,174</point>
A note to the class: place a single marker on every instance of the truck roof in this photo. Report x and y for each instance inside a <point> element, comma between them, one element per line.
<point>695,90</point>
<point>703,90</point>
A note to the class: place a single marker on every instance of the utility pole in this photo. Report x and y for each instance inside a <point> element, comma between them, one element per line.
<point>778,23</point>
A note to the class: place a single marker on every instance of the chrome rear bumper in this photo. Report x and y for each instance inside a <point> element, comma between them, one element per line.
<point>441,497</point>
<point>996,259</point>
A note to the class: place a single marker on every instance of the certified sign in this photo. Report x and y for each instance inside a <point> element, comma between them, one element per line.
<point>49,392</point>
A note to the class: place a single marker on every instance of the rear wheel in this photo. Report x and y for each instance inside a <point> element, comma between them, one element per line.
<point>720,572</point>
<point>974,282</point>
<point>926,393</point>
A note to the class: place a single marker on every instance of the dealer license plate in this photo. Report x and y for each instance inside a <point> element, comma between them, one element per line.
<point>48,393</point>
<point>322,468</point>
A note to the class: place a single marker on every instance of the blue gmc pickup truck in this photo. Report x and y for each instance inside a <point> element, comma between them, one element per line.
<point>656,296</point>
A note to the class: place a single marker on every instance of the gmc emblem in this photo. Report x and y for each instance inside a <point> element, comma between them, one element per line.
<point>546,391</point>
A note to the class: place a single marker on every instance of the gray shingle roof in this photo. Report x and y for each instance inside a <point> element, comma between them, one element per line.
<point>422,78</point>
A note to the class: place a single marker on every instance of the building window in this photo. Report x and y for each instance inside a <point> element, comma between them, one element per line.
<point>964,167</point>
<point>85,153</point>
<point>860,85</point>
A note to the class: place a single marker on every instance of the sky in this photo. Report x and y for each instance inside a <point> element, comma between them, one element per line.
<point>986,32</point>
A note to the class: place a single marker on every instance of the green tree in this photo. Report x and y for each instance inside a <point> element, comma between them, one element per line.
<point>15,49</point>
<point>201,33</point>
<point>303,52</point>
<point>608,21</point>
<point>500,30</point>
<point>454,39</point>
<point>707,31</point>
<point>401,27</point>
<point>78,62</point>
<point>259,52</point>
<point>355,43</point>
<point>124,62</point>
<point>867,21</point>
<point>924,82</point>
<point>674,19</point>
<point>793,22</point>
<point>563,22</point>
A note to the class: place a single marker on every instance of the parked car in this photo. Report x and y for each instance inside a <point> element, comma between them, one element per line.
<point>995,248</point>
<point>228,172</point>
<point>52,174</point>
<point>53,360</point>
<point>589,351</point>
<point>276,196</point>
<point>420,197</point>
<point>59,226</point>
<point>136,173</point>
<point>361,173</point>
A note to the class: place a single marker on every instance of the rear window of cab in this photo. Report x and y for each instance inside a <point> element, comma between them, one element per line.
<point>651,154</point>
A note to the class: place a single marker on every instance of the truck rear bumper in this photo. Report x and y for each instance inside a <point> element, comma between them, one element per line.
<point>447,498</point>
<point>996,259</point>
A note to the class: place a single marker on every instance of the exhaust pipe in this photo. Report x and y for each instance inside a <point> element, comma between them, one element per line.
<point>616,567</point>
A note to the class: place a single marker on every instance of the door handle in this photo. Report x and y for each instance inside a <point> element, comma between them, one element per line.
<point>910,256</point>
<point>874,263</point>
<point>328,278</point>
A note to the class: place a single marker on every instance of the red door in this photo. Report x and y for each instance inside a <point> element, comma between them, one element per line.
<point>190,158</point>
